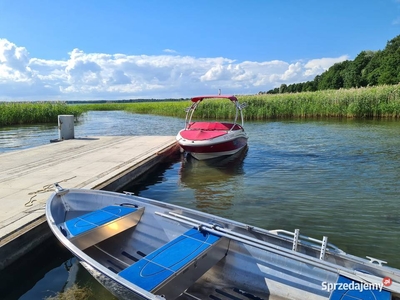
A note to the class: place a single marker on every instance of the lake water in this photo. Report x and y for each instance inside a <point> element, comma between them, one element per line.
<point>326,177</point>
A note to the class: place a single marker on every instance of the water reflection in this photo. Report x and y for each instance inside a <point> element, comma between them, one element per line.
<point>213,181</point>
<point>28,278</point>
<point>43,273</point>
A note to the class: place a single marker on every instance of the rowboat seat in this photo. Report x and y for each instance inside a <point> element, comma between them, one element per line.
<point>93,227</point>
<point>171,269</point>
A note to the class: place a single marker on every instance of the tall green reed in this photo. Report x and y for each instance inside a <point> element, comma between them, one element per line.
<point>371,102</point>
<point>34,112</point>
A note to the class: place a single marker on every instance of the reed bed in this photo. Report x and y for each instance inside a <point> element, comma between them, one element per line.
<point>100,106</point>
<point>207,110</point>
<point>371,102</point>
<point>12,113</point>
<point>161,108</point>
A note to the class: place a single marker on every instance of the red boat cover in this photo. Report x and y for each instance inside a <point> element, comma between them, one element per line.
<point>200,135</point>
<point>198,131</point>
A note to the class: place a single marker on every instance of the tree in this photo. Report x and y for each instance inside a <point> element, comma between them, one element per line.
<point>353,77</point>
<point>283,88</point>
<point>368,68</point>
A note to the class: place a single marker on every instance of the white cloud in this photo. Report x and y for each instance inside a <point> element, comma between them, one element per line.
<point>13,63</point>
<point>119,76</point>
<point>317,66</point>
<point>169,51</point>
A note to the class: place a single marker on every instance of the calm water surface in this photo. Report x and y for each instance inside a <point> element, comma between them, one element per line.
<point>337,178</point>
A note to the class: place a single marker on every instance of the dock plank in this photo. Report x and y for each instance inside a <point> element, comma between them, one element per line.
<point>88,163</point>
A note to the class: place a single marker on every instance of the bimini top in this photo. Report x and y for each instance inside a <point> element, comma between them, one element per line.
<point>200,98</point>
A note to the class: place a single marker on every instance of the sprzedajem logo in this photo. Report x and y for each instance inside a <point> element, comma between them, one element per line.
<point>356,286</point>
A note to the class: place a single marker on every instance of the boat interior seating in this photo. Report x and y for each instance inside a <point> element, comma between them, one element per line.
<point>175,266</point>
<point>91,228</point>
<point>213,126</point>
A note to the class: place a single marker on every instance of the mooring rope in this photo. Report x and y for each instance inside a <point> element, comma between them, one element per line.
<point>46,188</point>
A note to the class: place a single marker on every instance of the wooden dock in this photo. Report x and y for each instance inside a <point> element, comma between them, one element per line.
<point>27,177</point>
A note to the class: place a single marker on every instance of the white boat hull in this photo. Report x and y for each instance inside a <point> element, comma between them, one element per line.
<point>224,145</point>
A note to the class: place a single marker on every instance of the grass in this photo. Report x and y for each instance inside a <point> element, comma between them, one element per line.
<point>12,113</point>
<point>371,102</point>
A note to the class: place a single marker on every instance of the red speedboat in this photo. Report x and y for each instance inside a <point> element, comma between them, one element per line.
<point>205,140</point>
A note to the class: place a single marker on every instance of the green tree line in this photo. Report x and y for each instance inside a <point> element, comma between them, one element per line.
<point>369,68</point>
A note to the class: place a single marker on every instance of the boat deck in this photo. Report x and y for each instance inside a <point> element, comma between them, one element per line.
<point>109,162</point>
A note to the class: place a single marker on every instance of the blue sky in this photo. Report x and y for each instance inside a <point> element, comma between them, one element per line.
<point>87,49</point>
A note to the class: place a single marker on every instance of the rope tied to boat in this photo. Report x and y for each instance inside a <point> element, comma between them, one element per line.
<point>45,189</point>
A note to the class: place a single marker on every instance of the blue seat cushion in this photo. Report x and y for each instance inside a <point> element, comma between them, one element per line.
<point>97,218</point>
<point>159,265</point>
